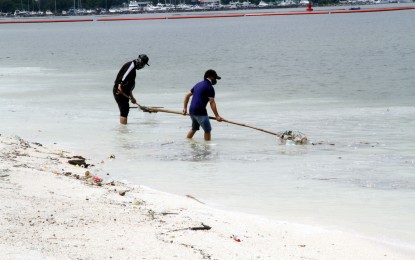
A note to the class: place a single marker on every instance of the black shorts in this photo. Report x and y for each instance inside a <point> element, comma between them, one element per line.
<point>123,103</point>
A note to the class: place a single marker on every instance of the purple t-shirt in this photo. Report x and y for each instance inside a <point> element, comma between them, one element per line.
<point>202,91</point>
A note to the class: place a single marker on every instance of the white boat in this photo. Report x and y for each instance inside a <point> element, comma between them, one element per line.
<point>114,11</point>
<point>303,2</point>
<point>133,6</point>
<point>233,5</point>
<point>263,4</point>
<point>21,13</point>
<point>287,3</point>
<point>161,7</point>
<point>247,4</point>
<point>184,7</point>
<point>150,8</point>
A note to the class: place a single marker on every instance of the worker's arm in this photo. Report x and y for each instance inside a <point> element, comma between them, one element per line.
<point>214,109</point>
<point>186,101</point>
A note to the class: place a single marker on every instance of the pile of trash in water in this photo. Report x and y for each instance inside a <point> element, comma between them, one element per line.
<point>290,137</point>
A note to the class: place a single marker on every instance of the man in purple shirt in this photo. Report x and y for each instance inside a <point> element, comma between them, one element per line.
<point>203,93</point>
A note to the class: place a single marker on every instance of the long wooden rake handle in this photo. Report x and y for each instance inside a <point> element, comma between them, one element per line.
<point>153,109</point>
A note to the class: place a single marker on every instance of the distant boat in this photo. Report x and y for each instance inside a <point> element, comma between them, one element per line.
<point>263,4</point>
<point>303,2</point>
<point>234,5</point>
<point>133,6</point>
<point>21,13</point>
<point>287,3</point>
<point>150,8</point>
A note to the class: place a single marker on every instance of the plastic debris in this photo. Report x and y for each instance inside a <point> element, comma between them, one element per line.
<point>96,179</point>
<point>290,137</point>
<point>235,238</point>
<point>137,203</point>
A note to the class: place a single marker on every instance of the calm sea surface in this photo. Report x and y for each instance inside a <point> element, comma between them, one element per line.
<point>346,80</point>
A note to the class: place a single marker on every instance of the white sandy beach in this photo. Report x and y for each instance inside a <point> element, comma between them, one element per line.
<point>50,210</point>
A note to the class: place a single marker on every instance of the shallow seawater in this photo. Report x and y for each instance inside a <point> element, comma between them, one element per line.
<point>343,80</point>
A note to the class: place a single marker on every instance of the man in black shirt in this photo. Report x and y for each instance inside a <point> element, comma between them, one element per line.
<point>125,83</point>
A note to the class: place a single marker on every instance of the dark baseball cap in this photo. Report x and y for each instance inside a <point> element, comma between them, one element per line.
<point>211,73</point>
<point>144,59</point>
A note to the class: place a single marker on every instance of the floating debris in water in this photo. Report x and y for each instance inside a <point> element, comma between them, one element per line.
<point>290,137</point>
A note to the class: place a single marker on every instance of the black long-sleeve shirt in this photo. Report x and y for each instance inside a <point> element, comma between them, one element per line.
<point>126,76</point>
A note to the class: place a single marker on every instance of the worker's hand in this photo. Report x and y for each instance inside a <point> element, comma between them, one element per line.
<point>184,111</point>
<point>133,100</point>
<point>219,118</point>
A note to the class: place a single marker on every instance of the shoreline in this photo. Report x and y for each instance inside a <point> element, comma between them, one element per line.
<point>174,16</point>
<point>52,209</point>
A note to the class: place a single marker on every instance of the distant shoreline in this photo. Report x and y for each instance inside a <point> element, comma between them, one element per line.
<point>216,15</point>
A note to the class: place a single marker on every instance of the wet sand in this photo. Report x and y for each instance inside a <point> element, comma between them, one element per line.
<point>51,209</point>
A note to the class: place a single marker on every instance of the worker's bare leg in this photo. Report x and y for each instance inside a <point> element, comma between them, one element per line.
<point>123,120</point>
<point>191,134</point>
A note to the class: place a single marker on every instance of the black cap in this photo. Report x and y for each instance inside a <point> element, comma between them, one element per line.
<point>211,73</point>
<point>143,59</point>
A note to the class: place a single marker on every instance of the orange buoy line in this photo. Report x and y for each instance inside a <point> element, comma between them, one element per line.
<point>287,13</point>
<point>386,9</point>
<point>129,19</point>
<point>205,16</point>
<point>47,21</point>
<point>168,17</point>
<point>334,11</point>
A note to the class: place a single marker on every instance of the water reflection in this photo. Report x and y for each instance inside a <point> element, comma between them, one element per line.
<point>292,149</point>
<point>200,151</point>
<point>189,150</point>
<point>123,136</point>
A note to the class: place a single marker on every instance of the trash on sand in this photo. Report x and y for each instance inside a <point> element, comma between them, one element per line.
<point>191,197</point>
<point>78,162</point>
<point>137,203</point>
<point>235,238</point>
<point>96,179</point>
<point>203,227</point>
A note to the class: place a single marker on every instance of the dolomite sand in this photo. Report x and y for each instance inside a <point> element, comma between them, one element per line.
<point>50,210</point>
